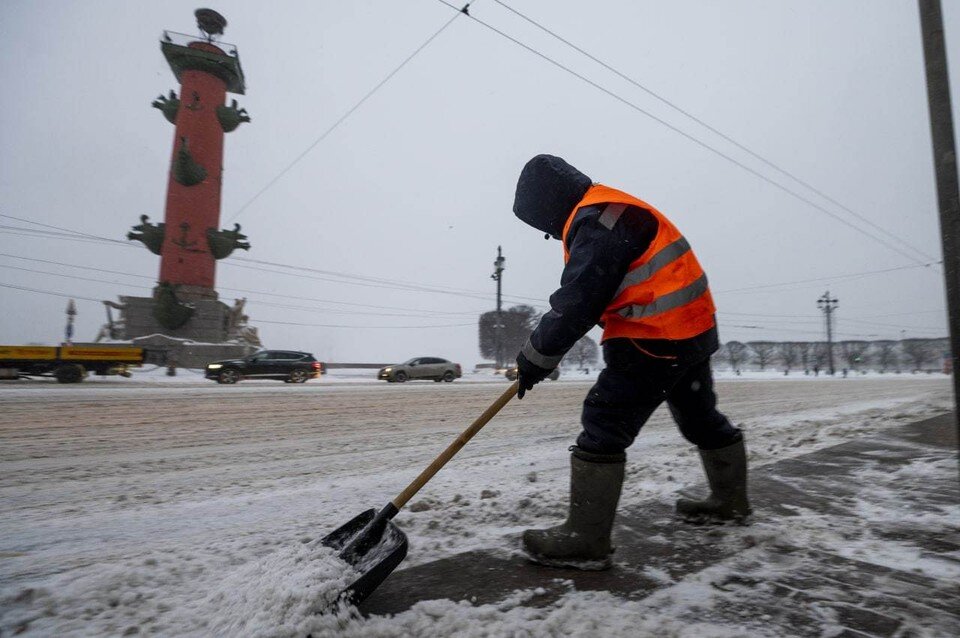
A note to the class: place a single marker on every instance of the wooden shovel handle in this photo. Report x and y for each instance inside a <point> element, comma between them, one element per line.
<point>454,447</point>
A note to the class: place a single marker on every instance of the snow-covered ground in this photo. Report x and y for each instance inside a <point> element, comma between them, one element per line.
<point>175,506</point>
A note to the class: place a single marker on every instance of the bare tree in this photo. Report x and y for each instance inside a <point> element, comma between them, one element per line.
<point>788,353</point>
<point>918,352</point>
<point>886,354</point>
<point>764,350</point>
<point>583,354</point>
<point>821,355</point>
<point>518,323</point>
<point>803,350</point>
<point>737,353</point>
<point>852,352</point>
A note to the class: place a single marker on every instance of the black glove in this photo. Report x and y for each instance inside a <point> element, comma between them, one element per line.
<point>529,374</point>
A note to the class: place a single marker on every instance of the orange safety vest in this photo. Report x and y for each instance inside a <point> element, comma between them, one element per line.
<point>664,294</point>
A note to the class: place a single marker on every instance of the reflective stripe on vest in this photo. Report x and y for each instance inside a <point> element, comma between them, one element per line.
<point>610,215</point>
<point>667,255</point>
<point>667,302</point>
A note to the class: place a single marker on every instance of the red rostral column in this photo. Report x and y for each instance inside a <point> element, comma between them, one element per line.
<point>191,239</point>
<point>193,208</point>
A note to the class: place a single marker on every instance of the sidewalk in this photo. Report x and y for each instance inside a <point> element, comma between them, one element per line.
<point>861,539</point>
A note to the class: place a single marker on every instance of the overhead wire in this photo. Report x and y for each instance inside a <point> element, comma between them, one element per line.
<point>379,282</point>
<point>323,325</point>
<point>783,320</point>
<point>346,115</point>
<point>890,325</point>
<point>44,234</point>
<point>69,230</point>
<point>856,275</point>
<point>375,282</point>
<point>942,311</point>
<point>716,131</point>
<point>298,271</point>
<point>48,292</point>
<point>798,331</point>
<point>77,277</point>
<point>247,290</point>
<point>688,136</point>
<point>41,231</point>
<point>257,319</point>
<point>258,301</point>
<point>838,333</point>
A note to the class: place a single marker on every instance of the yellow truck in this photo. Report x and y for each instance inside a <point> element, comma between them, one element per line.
<point>69,364</point>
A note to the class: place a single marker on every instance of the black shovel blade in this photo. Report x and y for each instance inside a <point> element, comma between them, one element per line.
<point>377,562</point>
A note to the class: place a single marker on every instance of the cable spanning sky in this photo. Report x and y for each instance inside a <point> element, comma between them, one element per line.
<point>788,141</point>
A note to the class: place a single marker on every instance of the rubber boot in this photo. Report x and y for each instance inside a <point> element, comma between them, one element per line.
<point>726,470</point>
<point>583,541</point>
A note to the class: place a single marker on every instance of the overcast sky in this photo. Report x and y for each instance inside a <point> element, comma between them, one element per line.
<point>416,186</point>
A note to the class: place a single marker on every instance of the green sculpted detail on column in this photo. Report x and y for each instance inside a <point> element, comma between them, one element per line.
<point>150,234</point>
<point>224,242</point>
<point>231,117</point>
<point>168,105</point>
<point>186,170</point>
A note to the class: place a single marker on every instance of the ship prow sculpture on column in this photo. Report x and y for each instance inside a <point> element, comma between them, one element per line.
<point>185,315</point>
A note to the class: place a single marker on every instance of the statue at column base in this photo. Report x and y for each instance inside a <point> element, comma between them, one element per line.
<point>169,311</point>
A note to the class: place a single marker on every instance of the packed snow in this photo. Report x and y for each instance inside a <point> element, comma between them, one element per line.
<point>174,506</point>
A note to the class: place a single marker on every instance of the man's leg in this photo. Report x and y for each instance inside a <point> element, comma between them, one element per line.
<point>693,404</point>
<point>628,391</point>
<point>633,384</point>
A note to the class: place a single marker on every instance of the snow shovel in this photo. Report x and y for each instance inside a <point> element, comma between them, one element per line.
<point>371,543</point>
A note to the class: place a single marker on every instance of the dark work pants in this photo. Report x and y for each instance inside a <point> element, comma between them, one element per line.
<point>635,383</point>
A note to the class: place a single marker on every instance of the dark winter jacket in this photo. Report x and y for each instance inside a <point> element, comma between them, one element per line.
<point>600,256</point>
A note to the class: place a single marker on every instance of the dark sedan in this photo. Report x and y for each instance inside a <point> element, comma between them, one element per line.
<point>284,365</point>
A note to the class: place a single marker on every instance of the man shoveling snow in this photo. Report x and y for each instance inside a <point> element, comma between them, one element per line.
<point>629,269</point>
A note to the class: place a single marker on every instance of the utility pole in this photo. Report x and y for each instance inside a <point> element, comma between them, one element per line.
<point>498,277</point>
<point>945,168</point>
<point>828,305</point>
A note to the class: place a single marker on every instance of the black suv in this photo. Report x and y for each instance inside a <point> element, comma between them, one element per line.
<point>285,365</point>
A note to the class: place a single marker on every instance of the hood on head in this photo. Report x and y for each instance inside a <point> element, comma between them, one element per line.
<point>547,191</point>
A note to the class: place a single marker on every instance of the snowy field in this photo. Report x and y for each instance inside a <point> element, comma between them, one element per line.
<point>175,506</point>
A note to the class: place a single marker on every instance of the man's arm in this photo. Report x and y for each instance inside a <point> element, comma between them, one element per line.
<point>603,243</point>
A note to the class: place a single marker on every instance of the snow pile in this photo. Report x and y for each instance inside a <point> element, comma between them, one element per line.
<point>236,591</point>
<point>575,614</point>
